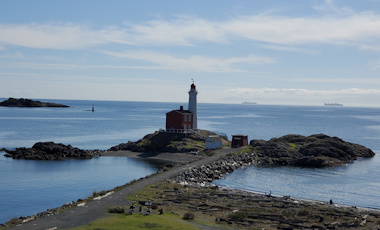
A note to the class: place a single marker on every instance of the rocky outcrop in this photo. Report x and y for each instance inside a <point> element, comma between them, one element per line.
<point>50,151</point>
<point>12,102</point>
<point>294,150</point>
<point>167,142</point>
<point>315,151</point>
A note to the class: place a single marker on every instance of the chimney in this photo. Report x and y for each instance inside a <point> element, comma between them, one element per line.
<point>181,108</point>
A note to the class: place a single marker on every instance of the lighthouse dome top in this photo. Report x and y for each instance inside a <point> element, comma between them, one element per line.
<point>193,88</point>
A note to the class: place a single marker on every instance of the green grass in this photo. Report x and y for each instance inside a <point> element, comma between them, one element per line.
<point>293,147</point>
<point>147,193</point>
<point>137,221</point>
<point>247,149</point>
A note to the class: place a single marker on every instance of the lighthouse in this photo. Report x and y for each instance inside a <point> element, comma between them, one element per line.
<point>193,105</point>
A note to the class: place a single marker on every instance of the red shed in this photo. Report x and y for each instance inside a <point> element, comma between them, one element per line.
<point>179,120</point>
<point>239,140</point>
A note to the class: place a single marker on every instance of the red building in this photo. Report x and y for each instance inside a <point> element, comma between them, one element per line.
<point>239,140</point>
<point>179,120</point>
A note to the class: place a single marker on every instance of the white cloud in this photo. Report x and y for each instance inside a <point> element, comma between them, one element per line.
<point>329,6</point>
<point>325,30</point>
<point>375,48</point>
<point>53,36</point>
<point>363,27</point>
<point>34,65</point>
<point>194,63</point>
<point>375,64</point>
<point>291,49</point>
<point>338,80</point>
<point>16,55</point>
<point>299,93</point>
<point>359,29</point>
<point>182,31</point>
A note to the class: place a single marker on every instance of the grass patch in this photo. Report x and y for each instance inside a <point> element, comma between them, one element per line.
<point>293,147</point>
<point>208,152</point>
<point>147,193</point>
<point>135,221</point>
<point>304,212</point>
<point>246,149</point>
<point>237,216</point>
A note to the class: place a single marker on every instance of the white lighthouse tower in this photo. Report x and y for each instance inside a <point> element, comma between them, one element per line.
<point>193,104</point>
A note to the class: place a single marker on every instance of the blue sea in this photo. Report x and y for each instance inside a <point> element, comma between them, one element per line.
<point>29,187</point>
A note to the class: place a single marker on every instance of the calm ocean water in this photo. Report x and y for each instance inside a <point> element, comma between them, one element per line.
<point>28,187</point>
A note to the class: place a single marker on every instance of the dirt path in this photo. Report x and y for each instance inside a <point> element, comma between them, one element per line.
<point>97,209</point>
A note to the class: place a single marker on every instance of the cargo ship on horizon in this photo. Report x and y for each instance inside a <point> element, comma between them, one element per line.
<point>333,104</point>
<point>249,103</point>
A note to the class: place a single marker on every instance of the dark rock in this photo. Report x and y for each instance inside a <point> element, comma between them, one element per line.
<point>12,102</point>
<point>215,170</point>
<point>50,151</point>
<point>317,150</point>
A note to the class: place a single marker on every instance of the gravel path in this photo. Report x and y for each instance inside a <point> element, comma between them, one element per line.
<point>97,209</point>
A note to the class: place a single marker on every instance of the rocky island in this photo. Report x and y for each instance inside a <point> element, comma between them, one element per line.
<point>315,151</point>
<point>12,102</point>
<point>50,151</point>
<point>318,150</point>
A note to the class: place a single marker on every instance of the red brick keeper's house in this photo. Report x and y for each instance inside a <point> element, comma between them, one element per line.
<point>179,120</point>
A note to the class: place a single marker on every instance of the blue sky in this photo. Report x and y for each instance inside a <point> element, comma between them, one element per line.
<point>271,52</point>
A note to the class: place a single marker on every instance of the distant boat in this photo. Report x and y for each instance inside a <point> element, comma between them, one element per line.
<point>249,103</point>
<point>333,104</point>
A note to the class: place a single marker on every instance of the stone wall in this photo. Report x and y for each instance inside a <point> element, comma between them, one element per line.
<point>216,170</point>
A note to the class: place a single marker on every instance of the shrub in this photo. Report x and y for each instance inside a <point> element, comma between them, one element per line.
<point>100,193</point>
<point>237,216</point>
<point>14,221</point>
<point>188,216</point>
<point>154,206</point>
<point>303,212</point>
<point>116,209</point>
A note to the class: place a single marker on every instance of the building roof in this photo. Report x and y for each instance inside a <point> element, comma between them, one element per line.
<point>213,138</point>
<point>181,111</point>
